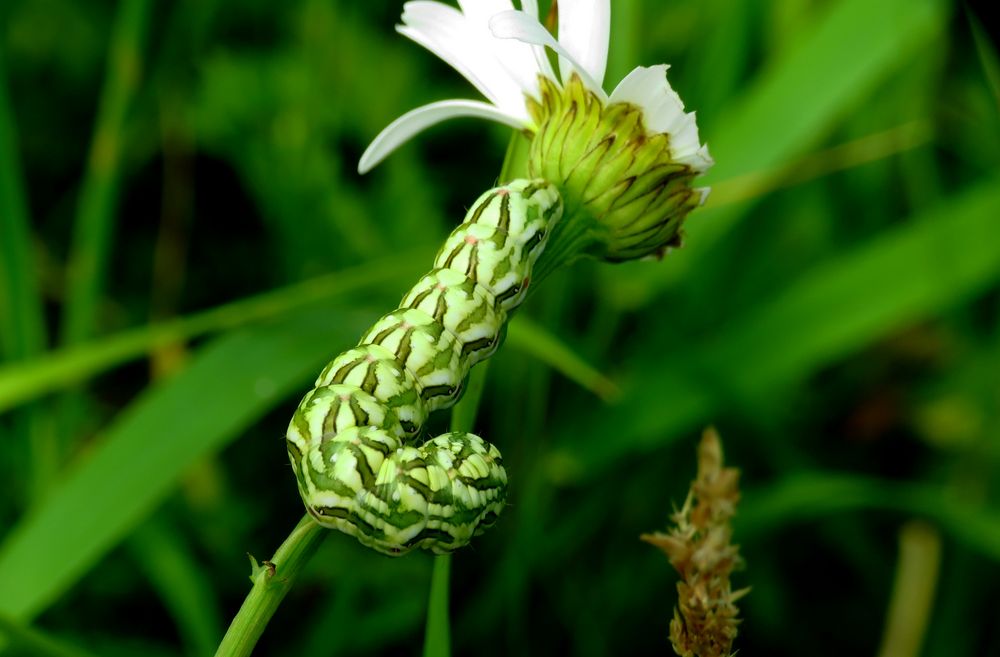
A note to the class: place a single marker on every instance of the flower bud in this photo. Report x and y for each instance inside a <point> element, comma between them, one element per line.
<point>614,174</point>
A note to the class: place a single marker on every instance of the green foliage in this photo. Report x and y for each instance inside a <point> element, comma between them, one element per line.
<point>834,312</point>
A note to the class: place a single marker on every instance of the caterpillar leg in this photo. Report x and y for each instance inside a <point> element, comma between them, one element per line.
<point>351,439</point>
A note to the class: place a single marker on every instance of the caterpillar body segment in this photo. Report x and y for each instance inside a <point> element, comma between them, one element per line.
<point>464,308</point>
<point>354,439</point>
<point>375,370</point>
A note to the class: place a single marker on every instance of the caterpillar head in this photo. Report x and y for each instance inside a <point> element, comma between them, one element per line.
<point>537,206</point>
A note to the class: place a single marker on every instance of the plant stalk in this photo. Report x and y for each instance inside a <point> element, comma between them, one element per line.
<point>272,580</point>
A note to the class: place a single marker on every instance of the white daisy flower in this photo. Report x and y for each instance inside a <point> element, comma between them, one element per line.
<point>501,51</point>
<point>624,163</point>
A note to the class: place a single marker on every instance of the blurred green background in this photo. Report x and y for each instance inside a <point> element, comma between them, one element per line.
<point>184,242</point>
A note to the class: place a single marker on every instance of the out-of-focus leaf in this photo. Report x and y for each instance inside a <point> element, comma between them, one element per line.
<point>797,100</point>
<point>808,496</point>
<point>923,266</point>
<point>538,342</point>
<point>34,642</point>
<point>987,57</point>
<point>22,331</point>
<point>834,63</point>
<point>22,324</point>
<point>719,64</point>
<point>228,386</point>
<point>181,583</point>
<point>99,192</point>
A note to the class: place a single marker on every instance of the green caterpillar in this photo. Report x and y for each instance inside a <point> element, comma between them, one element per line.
<point>352,439</point>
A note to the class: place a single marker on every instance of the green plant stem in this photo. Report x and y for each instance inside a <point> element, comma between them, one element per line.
<point>437,634</point>
<point>913,590</point>
<point>271,582</point>
<point>571,238</point>
<point>463,414</point>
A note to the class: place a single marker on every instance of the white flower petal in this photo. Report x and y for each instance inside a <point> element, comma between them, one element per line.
<point>663,111</point>
<point>522,62</point>
<point>644,86</point>
<point>584,26</point>
<point>516,58</point>
<point>518,25</point>
<point>530,7</point>
<point>459,41</point>
<point>544,66</point>
<point>442,30</point>
<point>481,10</point>
<point>418,120</point>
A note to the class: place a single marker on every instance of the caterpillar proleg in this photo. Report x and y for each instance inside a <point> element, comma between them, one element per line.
<point>354,438</point>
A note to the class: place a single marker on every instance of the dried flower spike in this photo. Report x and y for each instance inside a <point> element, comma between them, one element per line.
<point>699,548</point>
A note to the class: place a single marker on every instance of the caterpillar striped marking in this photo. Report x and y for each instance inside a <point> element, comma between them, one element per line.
<point>354,438</point>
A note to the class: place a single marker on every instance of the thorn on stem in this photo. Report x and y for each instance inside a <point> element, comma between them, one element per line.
<point>256,568</point>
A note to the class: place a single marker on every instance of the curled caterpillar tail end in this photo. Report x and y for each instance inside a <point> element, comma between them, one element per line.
<point>437,496</point>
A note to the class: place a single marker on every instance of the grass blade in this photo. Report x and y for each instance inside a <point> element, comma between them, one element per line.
<point>63,368</point>
<point>22,323</point>
<point>798,99</point>
<point>152,443</point>
<point>830,69</point>
<point>988,59</point>
<point>534,340</point>
<point>22,330</point>
<point>95,215</point>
